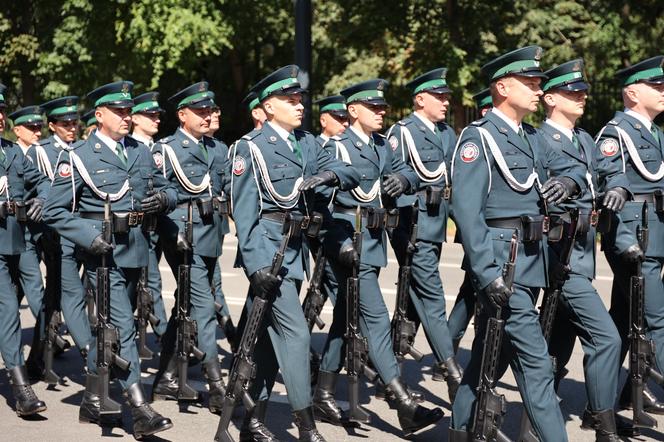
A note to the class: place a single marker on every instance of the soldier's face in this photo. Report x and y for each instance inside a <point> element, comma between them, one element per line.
<point>3,119</point>
<point>433,106</point>
<point>195,121</point>
<point>114,122</point>
<point>523,93</point>
<point>147,122</point>
<point>28,133</point>
<point>651,96</point>
<point>65,130</point>
<point>369,116</point>
<point>258,116</point>
<point>569,103</point>
<point>215,120</point>
<point>285,110</point>
<point>333,124</point>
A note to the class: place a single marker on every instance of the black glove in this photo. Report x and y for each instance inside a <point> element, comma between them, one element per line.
<point>558,273</point>
<point>498,292</point>
<point>558,189</point>
<point>633,254</point>
<point>99,246</point>
<point>263,283</point>
<point>615,198</point>
<point>348,256</point>
<point>36,209</point>
<point>327,178</point>
<point>395,184</point>
<point>182,244</point>
<point>155,203</point>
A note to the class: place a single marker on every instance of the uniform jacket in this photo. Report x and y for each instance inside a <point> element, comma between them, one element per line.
<point>259,238</point>
<point>480,192</point>
<point>108,173</point>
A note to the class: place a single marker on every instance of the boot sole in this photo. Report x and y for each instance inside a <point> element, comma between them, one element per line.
<point>431,421</point>
<point>110,422</point>
<point>158,430</point>
<point>31,413</point>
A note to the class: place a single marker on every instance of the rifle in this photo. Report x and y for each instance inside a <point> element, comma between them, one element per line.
<point>243,370</point>
<point>53,341</point>
<point>403,329</point>
<point>90,295</point>
<point>187,328</point>
<point>550,307</point>
<point>315,299</point>
<point>108,337</point>
<point>641,348</point>
<point>490,406</point>
<point>357,347</point>
<point>144,314</point>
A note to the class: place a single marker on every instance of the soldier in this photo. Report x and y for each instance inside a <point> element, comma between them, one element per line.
<point>258,116</point>
<point>634,143</point>
<point>89,123</point>
<point>496,170</point>
<point>28,123</point>
<point>425,142</point>
<point>366,150</point>
<point>19,176</point>
<point>581,311</point>
<point>260,196</point>
<point>223,313</point>
<point>112,166</point>
<point>333,117</point>
<point>197,167</point>
<point>145,119</point>
<point>62,117</point>
<point>466,301</point>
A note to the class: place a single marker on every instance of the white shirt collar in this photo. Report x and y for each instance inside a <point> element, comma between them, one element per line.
<point>59,141</point>
<point>283,133</point>
<point>24,149</point>
<point>324,137</point>
<point>365,139</point>
<point>515,127</point>
<point>110,142</point>
<point>190,136</point>
<point>145,140</point>
<point>565,131</point>
<point>428,123</point>
<point>643,119</point>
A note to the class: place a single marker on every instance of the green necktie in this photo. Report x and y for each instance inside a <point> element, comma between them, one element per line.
<point>523,136</point>
<point>654,132</point>
<point>119,151</point>
<point>3,157</point>
<point>575,141</point>
<point>296,147</point>
<point>203,150</point>
<point>437,132</point>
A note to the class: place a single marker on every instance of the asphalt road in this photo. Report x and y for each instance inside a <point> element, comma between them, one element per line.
<point>60,422</point>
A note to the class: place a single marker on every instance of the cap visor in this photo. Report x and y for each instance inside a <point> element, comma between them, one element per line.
<point>118,104</point>
<point>339,114</point>
<point>530,74</point>
<point>576,86</point>
<point>374,102</point>
<point>201,104</point>
<point>438,90</point>
<point>655,80</point>
<point>66,117</point>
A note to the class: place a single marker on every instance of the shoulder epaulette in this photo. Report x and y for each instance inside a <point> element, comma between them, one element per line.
<point>478,122</point>
<point>166,140</point>
<point>77,144</point>
<point>379,134</point>
<point>44,142</point>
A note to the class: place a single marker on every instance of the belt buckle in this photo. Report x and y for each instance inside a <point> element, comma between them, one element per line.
<point>594,218</point>
<point>135,218</point>
<point>391,218</point>
<point>447,192</point>
<point>546,224</point>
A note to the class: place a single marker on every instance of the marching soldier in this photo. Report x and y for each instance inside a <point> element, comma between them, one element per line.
<point>333,117</point>
<point>633,142</point>
<point>367,151</point>
<point>273,168</point>
<point>145,119</point>
<point>196,165</point>
<point>425,142</point>
<point>88,123</point>
<point>28,123</point>
<point>19,177</point>
<point>62,117</point>
<point>497,169</point>
<point>112,168</point>
<point>564,99</point>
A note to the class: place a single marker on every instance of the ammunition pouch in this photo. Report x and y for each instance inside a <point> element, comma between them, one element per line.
<point>531,227</point>
<point>222,206</point>
<point>205,208</point>
<point>656,199</point>
<point>20,211</point>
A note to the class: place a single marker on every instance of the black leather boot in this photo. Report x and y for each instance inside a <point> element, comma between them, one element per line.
<point>650,403</point>
<point>455,345</point>
<point>325,406</point>
<point>89,411</point>
<point>458,436</point>
<point>253,426</point>
<point>27,402</point>
<point>438,371</point>
<point>412,417</point>
<point>623,427</point>
<point>165,385</point>
<point>217,389</point>
<point>383,393</point>
<point>453,375</point>
<point>304,421</point>
<point>146,420</point>
<point>606,426</point>
<point>226,324</point>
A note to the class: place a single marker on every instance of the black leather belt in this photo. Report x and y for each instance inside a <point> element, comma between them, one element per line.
<point>374,217</point>
<point>505,223</point>
<point>206,205</point>
<point>14,208</point>
<point>133,218</point>
<point>309,224</point>
<point>530,227</point>
<point>644,198</point>
<point>279,217</point>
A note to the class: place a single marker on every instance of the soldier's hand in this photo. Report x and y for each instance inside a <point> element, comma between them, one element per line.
<point>36,209</point>
<point>498,292</point>
<point>182,244</point>
<point>263,283</point>
<point>395,184</point>
<point>558,273</point>
<point>155,203</point>
<point>99,246</point>
<point>348,256</point>
<point>615,198</point>
<point>633,254</point>
<point>558,189</point>
<point>327,178</point>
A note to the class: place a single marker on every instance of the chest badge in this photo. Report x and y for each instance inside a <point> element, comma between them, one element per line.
<point>609,147</point>
<point>469,152</point>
